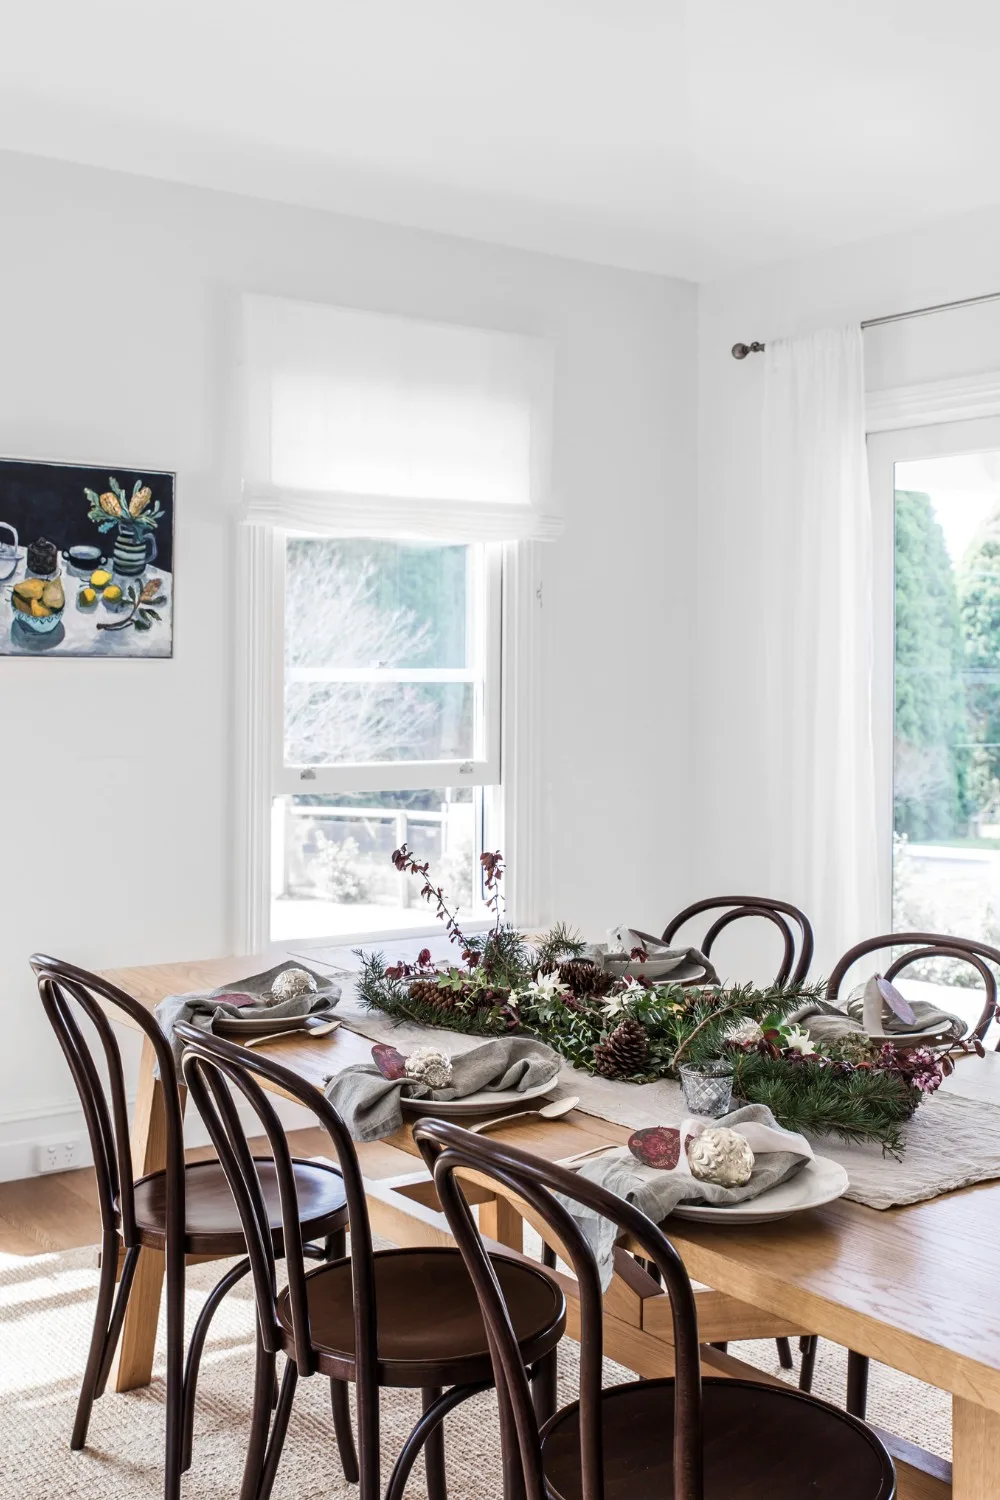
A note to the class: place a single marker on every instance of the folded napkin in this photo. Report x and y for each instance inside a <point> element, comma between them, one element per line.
<point>201,1007</point>
<point>826,1022</point>
<point>662,965</point>
<point>779,1155</point>
<point>369,1103</point>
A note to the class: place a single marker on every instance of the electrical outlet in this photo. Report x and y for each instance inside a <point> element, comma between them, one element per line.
<point>59,1156</point>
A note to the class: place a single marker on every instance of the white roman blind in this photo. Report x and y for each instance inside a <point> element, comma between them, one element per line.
<point>359,422</point>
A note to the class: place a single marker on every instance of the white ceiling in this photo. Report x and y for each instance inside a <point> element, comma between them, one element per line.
<point>693,137</point>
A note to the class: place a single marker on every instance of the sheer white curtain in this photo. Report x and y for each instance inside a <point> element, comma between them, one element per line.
<point>818,540</point>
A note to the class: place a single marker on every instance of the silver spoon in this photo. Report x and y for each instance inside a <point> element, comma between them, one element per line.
<point>309,1028</point>
<point>553,1111</point>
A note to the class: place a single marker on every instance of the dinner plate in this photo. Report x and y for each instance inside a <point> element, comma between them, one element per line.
<point>820,1181</point>
<point>245,1027</point>
<point>477,1104</point>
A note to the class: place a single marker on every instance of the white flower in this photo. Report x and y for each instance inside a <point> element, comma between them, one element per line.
<point>547,986</point>
<point>799,1040</point>
<point>745,1033</point>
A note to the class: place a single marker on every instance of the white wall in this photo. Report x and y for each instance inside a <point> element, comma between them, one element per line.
<point>960,258</point>
<point>119,304</point>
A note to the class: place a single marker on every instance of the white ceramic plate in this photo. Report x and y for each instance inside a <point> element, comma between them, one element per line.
<point>820,1181</point>
<point>478,1104</point>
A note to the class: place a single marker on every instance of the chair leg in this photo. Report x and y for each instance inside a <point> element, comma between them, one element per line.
<point>125,1281</point>
<point>196,1348</point>
<point>857,1383</point>
<point>785,1359</point>
<point>428,1423</point>
<point>344,1431</point>
<point>260,1422</point>
<point>103,1314</point>
<point>543,1386</point>
<point>175,1374</point>
<point>807,1348</point>
<point>278,1430</point>
<point>437,1487</point>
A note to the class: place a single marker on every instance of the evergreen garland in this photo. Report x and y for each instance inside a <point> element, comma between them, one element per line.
<point>548,989</point>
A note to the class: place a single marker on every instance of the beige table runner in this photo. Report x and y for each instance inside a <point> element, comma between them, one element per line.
<point>953,1139</point>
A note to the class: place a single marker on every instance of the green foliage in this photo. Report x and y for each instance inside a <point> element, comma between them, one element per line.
<point>931,771</point>
<point>979,590</point>
<point>559,943</point>
<point>501,956</point>
<point>862,1105</point>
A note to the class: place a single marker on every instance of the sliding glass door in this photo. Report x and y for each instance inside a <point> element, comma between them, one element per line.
<point>936,498</point>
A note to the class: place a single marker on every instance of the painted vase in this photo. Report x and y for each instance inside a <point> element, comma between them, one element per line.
<point>133,552</point>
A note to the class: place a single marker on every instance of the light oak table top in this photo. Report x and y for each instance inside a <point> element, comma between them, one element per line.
<point>915,1288</point>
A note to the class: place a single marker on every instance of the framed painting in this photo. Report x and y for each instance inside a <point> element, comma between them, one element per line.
<point>86,560</point>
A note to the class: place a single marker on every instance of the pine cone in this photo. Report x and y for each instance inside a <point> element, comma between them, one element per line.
<point>429,992</point>
<point>585,978</point>
<point>625,1052</point>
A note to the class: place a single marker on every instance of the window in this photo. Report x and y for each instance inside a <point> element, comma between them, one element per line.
<point>394,473</point>
<point>389,707</point>
<point>942,530</point>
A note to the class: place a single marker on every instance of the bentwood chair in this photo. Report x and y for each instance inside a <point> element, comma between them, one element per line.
<point>797,955</point>
<point>680,1438</point>
<point>183,1210</point>
<point>399,1317</point>
<point>919,945</point>
<point>792,924</point>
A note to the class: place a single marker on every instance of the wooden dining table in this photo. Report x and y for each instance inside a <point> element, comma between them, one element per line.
<point>914,1288</point>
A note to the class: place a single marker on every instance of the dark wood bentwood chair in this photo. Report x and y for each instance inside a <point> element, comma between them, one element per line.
<point>797,956</point>
<point>181,1211</point>
<point>793,925</point>
<point>399,1317</point>
<point>920,945</point>
<point>679,1438</point>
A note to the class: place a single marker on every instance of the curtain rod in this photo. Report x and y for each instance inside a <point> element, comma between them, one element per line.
<point>740,351</point>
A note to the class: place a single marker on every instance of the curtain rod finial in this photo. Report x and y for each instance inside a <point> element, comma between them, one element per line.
<point>740,351</point>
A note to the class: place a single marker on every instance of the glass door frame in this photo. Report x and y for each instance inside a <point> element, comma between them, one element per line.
<point>885,450</point>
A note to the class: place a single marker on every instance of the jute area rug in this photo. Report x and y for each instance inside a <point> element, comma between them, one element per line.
<point>46,1307</point>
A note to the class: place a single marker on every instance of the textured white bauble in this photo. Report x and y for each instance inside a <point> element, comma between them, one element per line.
<point>722,1156</point>
<point>291,983</point>
<point>428,1065</point>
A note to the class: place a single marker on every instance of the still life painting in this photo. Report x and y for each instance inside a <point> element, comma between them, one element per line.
<point>86,560</point>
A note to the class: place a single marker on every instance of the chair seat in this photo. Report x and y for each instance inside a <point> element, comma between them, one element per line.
<point>761,1443</point>
<point>430,1328</point>
<point>212,1219</point>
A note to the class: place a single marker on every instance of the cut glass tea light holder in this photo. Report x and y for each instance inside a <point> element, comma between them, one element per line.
<point>708,1087</point>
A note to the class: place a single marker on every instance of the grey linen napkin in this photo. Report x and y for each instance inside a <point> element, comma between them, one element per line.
<point>201,1007</point>
<point>369,1104</point>
<point>657,1193</point>
<point>826,1022</point>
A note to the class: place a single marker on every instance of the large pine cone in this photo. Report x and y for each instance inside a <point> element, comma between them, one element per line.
<point>625,1052</point>
<point>585,978</point>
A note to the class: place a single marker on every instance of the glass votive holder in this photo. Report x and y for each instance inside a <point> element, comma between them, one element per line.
<point>708,1087</point>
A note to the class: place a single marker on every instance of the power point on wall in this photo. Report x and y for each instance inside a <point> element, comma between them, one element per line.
<point>59,1156</point>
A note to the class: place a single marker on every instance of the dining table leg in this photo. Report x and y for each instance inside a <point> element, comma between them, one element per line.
<point>975,1462</point>
<point>499,1220</point>
<point>133,1365</point>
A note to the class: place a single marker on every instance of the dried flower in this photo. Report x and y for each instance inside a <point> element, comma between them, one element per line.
<point>110,504</point>
<point>428,1065</point>
<point>797,1039</point>
<point>745,1033</point>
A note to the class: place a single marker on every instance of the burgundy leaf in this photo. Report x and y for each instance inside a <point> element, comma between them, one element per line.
<point>657,1146</point>
<point>238,998</point>
<point>390,1063</point>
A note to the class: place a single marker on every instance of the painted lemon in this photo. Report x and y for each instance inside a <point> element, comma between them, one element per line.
<point>86,598</point>
<point>112,594</point>
<point>100,579</point>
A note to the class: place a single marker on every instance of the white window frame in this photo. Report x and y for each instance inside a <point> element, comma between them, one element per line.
<point>911,423</point>
<point>510,768</point>
<point>368,776</point>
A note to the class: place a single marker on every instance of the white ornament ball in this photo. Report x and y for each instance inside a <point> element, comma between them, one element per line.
<point>428,1065</point>
<point>291,983</point>
<point>722,1156</point>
